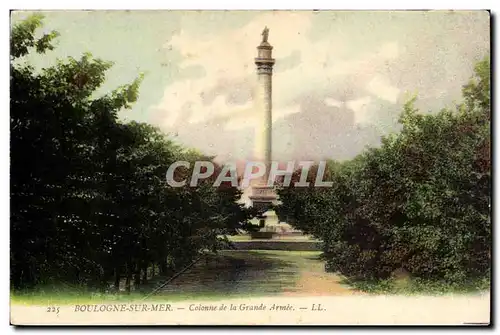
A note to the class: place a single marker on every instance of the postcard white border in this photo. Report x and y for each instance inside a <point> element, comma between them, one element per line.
<point>185,4</point>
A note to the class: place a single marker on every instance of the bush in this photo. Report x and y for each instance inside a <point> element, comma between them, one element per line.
<point>420,202</point>
<point>89,200</point>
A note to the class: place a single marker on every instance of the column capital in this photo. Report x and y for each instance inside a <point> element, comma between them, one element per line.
<point>264,68</point>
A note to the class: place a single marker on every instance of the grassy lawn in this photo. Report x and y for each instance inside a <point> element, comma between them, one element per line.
<point>231,274</point>
<point>417,286</point>
<point>239,238</point>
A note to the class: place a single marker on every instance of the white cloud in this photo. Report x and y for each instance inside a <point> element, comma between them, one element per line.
<point>360,108</point>
<point>228,56</point>
<point>379,87</point>
<point>313,73</point>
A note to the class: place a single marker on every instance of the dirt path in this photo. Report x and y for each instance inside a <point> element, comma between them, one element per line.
<point>240,273</point>
<point>314,281</point>
<point>319,284</point>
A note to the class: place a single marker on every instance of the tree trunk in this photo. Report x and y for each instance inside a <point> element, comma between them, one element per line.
<point>145,272</point>
<point>117,279</point>
<point>137,277</point>
<point>127,280</point>
<point>163,267</point>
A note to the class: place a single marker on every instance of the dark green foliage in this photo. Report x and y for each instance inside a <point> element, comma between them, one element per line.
<point>419,203</point>
<point>89,200</point>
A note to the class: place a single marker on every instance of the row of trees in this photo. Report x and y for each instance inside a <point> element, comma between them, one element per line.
<point>89,200</point>
<point>420,202</point>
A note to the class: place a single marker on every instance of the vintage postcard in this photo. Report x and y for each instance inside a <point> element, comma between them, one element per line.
<point>250,167</point>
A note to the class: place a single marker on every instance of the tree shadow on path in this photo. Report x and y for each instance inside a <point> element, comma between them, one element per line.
<point>238,273</point>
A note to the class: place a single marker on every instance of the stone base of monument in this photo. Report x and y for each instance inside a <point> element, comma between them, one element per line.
<point>272,228</point>
<point>272,234</point>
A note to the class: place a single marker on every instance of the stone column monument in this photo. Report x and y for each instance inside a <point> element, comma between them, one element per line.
<point>262,195</point>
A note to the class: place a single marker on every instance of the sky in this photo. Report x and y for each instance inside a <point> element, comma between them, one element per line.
<point>339,81</point>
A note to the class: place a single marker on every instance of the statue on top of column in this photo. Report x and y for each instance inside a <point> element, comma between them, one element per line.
<point>265,34</point>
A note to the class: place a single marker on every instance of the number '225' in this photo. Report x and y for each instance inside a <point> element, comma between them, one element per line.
<point>52,309</point>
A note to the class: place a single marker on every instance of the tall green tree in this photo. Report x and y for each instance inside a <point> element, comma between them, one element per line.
<point>89,200</point>
<point>419,202</point>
